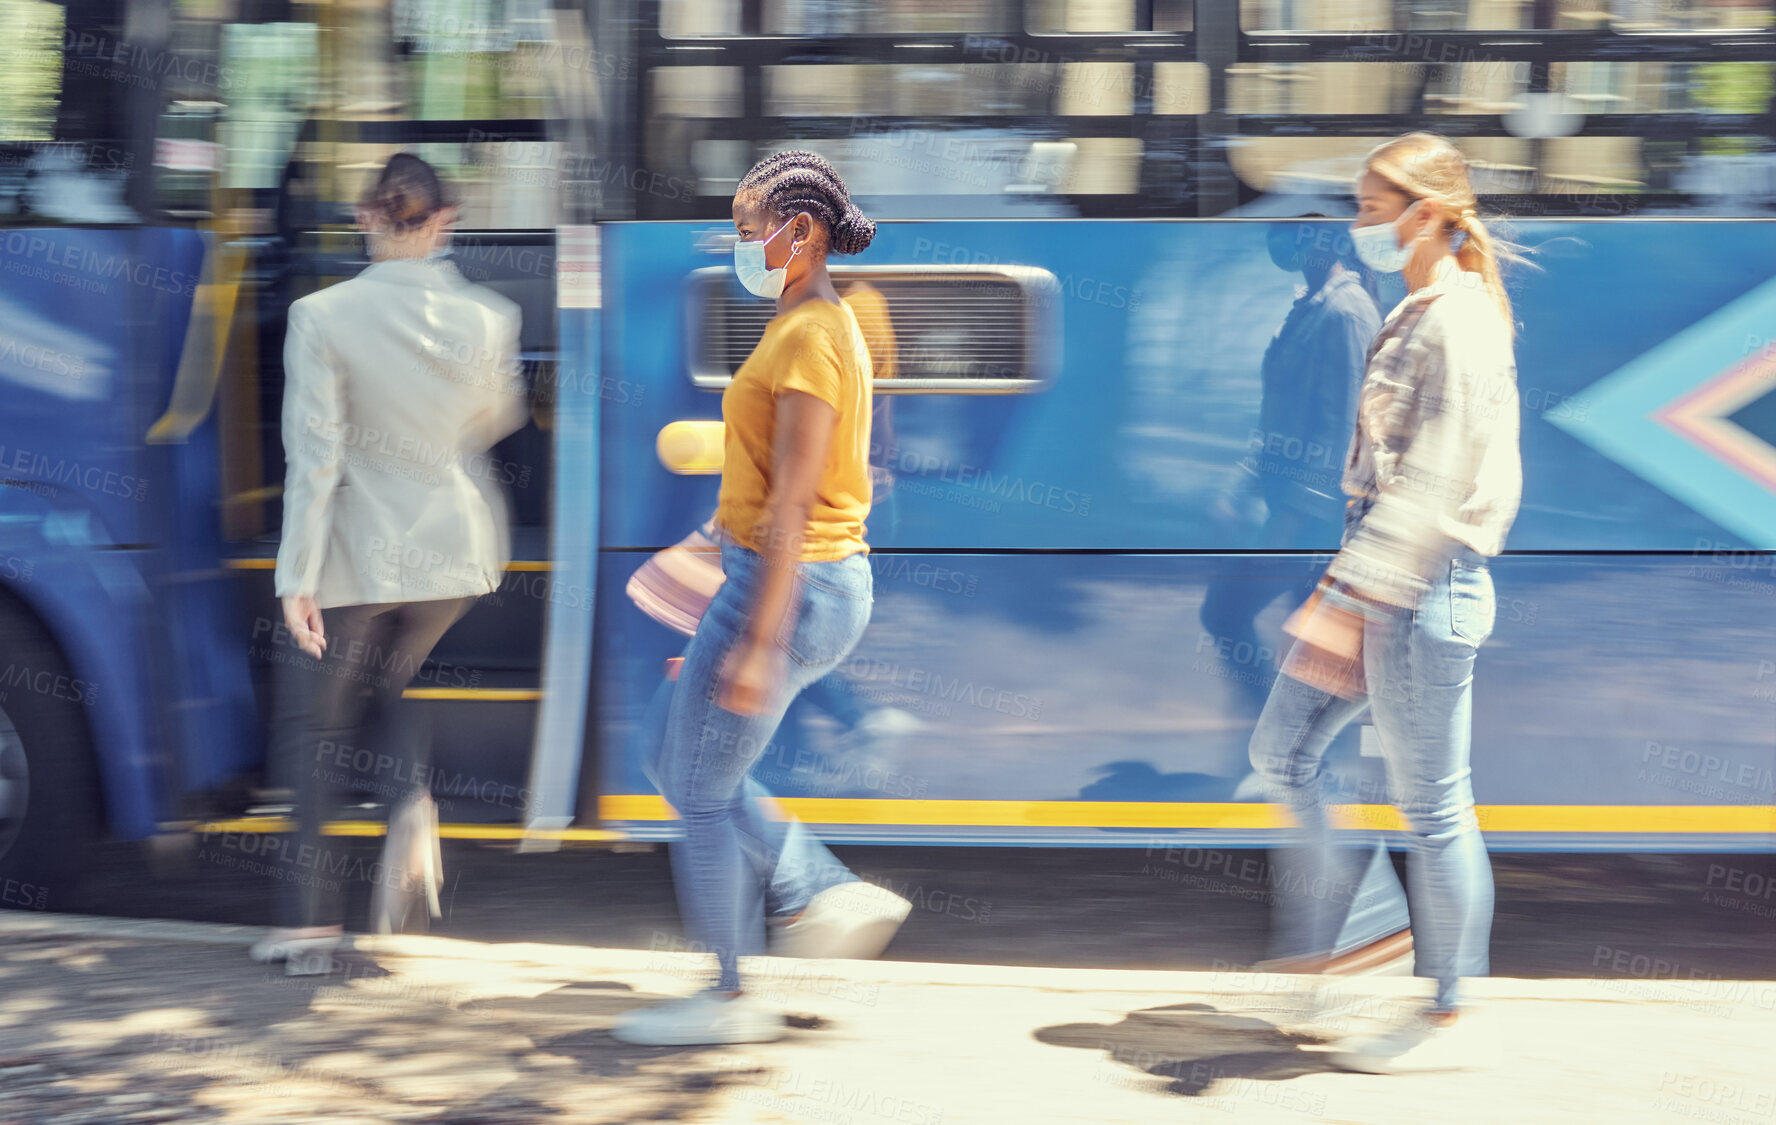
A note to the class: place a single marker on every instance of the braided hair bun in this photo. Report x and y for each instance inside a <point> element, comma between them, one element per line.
<point>854,233</point>
<point>796,180</point>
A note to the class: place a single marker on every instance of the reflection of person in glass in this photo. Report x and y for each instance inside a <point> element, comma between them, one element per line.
<point>870,729</point>
<point>1434,477</point>
<point>1307,409</point>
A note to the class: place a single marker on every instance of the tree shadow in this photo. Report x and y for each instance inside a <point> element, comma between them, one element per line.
<point>200,1033</point>
<point>1194,1048</point>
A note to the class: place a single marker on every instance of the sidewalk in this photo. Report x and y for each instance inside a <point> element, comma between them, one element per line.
<point>106,1020</point>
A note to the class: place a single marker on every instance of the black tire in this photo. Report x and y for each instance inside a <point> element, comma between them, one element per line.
<point>49,803</point>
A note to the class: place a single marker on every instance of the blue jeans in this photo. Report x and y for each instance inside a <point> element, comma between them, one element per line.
<point>736,857</point>
<point>1334,895</point>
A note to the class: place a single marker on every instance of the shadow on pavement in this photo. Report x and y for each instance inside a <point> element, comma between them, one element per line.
<point>1193,1048</point>
<point>103,1030</point>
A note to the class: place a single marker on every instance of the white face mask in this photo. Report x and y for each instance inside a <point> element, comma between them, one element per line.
<point>749,265</point>
<point>1379,248</point>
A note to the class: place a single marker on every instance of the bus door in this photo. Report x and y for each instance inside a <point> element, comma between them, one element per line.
<point>473,98</point>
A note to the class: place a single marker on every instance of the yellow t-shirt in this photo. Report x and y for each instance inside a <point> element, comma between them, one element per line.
<point>816,348</point>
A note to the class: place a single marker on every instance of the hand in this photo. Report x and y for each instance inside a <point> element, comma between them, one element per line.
<point>751,677</point>
<point>303,617</point>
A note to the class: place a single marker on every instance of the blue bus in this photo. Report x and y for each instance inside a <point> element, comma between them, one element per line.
<point>1079,590</point>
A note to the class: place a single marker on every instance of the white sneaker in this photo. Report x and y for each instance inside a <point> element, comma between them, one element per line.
<point>1417,1044</point>
<point>705,1018</point>
<point>302,956</point>
<point>852,921</point>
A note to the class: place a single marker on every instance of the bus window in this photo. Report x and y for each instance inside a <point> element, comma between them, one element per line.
<point>1497,15</point>
<point>689,19</point>
<point>962,123</point>
<point>72,132</point>
<point>1078,17</point>
<point>31,82</point>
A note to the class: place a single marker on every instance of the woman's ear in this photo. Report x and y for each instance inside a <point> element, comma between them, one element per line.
<point>1431,218</point>
<point>443,221</point>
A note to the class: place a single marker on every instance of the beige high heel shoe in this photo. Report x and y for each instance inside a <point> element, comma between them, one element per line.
<point>412,868</point>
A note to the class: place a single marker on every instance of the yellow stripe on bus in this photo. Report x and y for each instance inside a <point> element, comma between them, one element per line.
<point>271,564</point>
<point>1713,819</point>
<point>484,695</point>
<point>268,824</point>
<point>1168,814</point>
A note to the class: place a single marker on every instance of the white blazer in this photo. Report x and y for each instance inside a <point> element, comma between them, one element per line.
<point>397,383</point>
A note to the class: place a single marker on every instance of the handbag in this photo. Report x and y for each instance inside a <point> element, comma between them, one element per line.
<point>1328,649</point>
<point>676,585</point>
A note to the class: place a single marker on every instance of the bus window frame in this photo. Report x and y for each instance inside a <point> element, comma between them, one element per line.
<point>1041,344</point>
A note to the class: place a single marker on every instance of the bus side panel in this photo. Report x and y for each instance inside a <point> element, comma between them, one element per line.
<point>95,324</point>
<point>1164,327</point>
<point>97,607</point>
<point>1628,699</point>
<point>91,326</point>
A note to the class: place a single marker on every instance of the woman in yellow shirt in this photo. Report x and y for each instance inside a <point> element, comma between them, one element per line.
<point>794,495</point>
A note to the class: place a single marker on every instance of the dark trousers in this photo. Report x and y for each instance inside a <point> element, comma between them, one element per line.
<point>373,652</point>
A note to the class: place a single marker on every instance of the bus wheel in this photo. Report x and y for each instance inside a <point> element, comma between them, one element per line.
<point>48,799</point>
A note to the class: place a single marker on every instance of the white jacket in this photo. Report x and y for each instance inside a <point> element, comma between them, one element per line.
<point>397,383</point>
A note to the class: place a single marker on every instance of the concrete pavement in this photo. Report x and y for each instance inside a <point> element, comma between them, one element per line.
<point>106,1020</point>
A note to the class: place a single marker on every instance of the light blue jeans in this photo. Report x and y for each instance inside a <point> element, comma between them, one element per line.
<point>1335,893</point>
<point>736,858</point>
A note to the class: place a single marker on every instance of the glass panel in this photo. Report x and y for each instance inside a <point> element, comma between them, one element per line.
<point>982,162</point>
<point>1085,17</point>
<point>1496,15</point>
<point>1721,175</point>
<point>1329,165</point>
<point>31,77</point>
<point>468,62</point>
<point>1339,87</point>
<point>691,19</point>
<point>889,17</point>
<point>502,183</point>
<point>934,89</point>
<point>1492,88</point>
<point>1091,88</point>
<point>272,87</point>
<point>686,19</point>
<point>697,91</point>
<point>1180,87</point>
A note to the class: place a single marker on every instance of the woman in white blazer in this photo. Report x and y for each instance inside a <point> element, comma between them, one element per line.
<point>397,383</point>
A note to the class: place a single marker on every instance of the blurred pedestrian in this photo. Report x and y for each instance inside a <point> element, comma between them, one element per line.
<point>1434,478</point>
<point>794,495</point>
<point>397,382</point>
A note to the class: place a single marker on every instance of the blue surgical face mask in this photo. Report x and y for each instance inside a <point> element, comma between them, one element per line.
<point>749,265</point>
<point>1379,248</point>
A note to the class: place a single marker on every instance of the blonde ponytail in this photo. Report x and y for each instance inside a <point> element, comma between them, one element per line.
<point>1479,253</point>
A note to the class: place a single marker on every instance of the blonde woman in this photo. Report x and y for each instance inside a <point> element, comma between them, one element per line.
<point>1434,477</point>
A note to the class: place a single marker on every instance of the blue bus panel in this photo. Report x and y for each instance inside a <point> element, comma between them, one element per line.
<point>115,543</point>
<point>1083,633</point>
